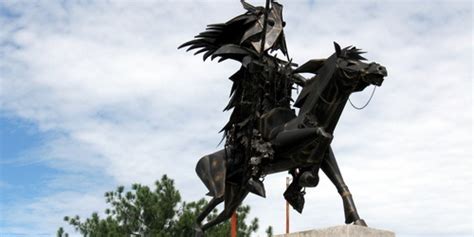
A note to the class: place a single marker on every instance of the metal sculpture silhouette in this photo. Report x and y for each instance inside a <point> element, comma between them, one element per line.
<point>264,135</point>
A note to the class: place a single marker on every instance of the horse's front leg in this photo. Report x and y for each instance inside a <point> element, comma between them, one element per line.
<point>331,169</point>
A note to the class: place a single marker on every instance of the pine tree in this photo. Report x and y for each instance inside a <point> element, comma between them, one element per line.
<point>159,212</point>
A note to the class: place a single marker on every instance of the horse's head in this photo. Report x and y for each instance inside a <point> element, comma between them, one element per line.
<point>355,74</point>
<point>335,79</point>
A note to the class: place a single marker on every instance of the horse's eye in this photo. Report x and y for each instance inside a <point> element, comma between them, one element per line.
<point>271,23</point>
<point>351,64</point>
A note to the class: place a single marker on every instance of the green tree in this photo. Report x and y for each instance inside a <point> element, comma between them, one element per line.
<point>61,233</point>
<point>159,212</point>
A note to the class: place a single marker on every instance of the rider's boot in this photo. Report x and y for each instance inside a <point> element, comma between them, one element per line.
<point>294,195</point>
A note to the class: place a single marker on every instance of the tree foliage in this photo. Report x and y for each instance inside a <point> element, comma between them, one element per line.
<point>269,231</point>
<point>159,212</point>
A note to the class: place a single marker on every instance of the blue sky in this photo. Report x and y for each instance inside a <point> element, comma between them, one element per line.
<point>94,95</point>
<point>23,180</point>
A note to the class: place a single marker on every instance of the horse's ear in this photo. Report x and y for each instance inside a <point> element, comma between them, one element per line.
<point>338,49</point>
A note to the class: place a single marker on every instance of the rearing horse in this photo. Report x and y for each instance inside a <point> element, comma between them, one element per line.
<point>301,143</point>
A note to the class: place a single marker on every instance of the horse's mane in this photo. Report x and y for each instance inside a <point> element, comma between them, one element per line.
<point>352,53</point>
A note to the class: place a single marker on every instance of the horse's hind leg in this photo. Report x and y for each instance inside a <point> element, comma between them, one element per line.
<point>331,169</point>
<point>210,206</point>
<point>224,215</point>
<point>234,197</point>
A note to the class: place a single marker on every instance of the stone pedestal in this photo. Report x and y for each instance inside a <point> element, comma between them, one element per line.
<point>342,231</point>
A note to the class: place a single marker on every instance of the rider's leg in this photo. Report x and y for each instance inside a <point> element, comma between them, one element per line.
<point>331,169</point>
<point>295,138</point>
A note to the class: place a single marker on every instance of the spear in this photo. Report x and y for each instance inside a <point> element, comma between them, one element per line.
<point>264,30</point>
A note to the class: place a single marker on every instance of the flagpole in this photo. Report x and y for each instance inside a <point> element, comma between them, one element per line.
<point>287,209</point>
<point>264,30</point>
<point>233,225</point>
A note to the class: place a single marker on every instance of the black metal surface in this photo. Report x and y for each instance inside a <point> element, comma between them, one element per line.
<point>263,134</point>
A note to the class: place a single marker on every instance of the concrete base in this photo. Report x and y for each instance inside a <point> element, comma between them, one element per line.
<point>342,231</point>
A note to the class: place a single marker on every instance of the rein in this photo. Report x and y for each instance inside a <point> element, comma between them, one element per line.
<point>367,103</point>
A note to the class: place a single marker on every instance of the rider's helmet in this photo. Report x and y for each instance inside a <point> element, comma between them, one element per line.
<point>274,37</point>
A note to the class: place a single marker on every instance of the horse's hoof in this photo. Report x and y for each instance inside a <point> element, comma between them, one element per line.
<point>360,222</point>
<point>198,231</point>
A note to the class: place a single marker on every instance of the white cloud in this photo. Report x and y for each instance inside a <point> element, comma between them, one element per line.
<point>130,107</point>
<point>45,215</point>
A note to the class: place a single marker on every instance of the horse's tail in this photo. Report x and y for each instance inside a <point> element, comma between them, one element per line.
<point>211,169</point>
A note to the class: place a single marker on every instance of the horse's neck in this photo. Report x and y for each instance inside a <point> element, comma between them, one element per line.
<point>324,99</point>
<point>332,114</point>
<point>328,114</point>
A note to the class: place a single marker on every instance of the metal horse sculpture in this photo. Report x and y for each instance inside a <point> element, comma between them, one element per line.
<point>264,135</point>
